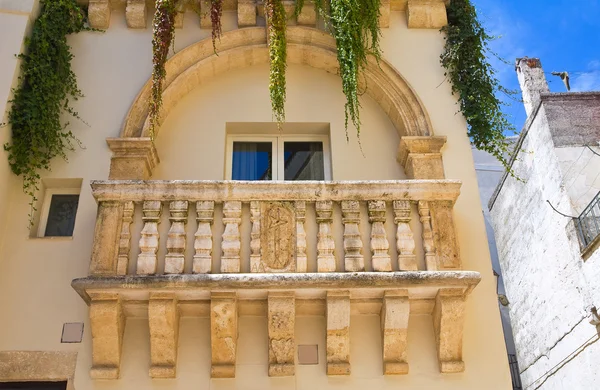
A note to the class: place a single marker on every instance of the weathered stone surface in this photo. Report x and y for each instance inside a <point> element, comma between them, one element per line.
<point>338,333</point>
<point>246,13</point>
<point>163,316</point>
<point>308,15</point>
<point>25,366</point>
<point>301,258</point>
<point>421,157</point>
<point>325,242</point>
<point>136,13</point>
<point>281,324</point>
<point>384,13</point>
<point>426,14</point>
<point>532,80</point>
<point>106,238</point>
<point>431,259</point>
<point>353,259</point>
<point>444,235</point>
<point>99,13</point>
<point>147,260</point>
<point>223,334</point>
<point>448,324</point>
<point>174,260</point>
<point>277,237</point>
<point>405,241</point>
<point>231,245</point>
<point>107,323</point>
<point>379,243</point>
<point>133,158</point>
<point>203,243</point>
<point>395,312</point>
<point>125,238</point>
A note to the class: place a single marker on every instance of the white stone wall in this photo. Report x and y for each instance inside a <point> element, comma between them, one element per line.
<point>545,277</point>
<point>580,168</point>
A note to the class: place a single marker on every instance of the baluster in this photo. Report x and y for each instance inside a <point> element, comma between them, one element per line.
<point>125,239</point>
<point>405,240</point>
<point>325,243</point>
<point>232,217</point>
<point>147,262</point>
<point>202,263</point>
<point>255,263</point>
<point>379,243</point>
<point>428,245</point>
<point>175,258</point>
<point>353,259</point>
<point>301,259</point>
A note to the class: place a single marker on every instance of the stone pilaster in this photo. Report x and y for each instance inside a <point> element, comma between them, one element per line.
<point>281,323</point>
<point>338,333</point>
<point>255,260</point>
<point>444,235</point>
<point>301,258</point>
<point>395,312</point>
<point>223,334</point>
<point>426,14</point>
<point>163,317</point>
<point>421,157</point>
<point>136,13</point>
<point>106,238</point>
<point>379,243</point>
<point>132,159</point>
<point>107,323</point>
<point>448,323</point>
<point>99,14</point>
<point>174,260</point>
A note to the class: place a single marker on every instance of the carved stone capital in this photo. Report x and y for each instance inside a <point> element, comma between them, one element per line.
<point>132,159</point>
<point>448,323</point>
<point>99,14</point>
<point>135,13</point>
<point>281,323</point>
<point>395,312</point>
<point>223,334</point>
<point>421,157</point>
<point>107,323</point>
<point>426,14</point>
<point>338,333</point>
<point>163,317</point>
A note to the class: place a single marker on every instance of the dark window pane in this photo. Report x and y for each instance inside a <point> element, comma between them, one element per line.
<point>34,385</point>
<point>304,161</point>
<point>61,217</point>
<point>252,161</point>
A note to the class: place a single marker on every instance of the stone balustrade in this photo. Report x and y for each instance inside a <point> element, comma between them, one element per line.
<point>382,247</point>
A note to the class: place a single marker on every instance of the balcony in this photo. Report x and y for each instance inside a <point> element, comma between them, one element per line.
<point>220,249</point>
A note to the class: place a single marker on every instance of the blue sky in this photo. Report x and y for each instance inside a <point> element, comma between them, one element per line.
<point>564,34</point>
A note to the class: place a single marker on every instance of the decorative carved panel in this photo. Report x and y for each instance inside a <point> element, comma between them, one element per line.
<point>278,237</point>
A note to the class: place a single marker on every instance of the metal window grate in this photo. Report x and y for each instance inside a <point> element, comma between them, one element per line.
<point>588,222</point>
<point>514,372</point>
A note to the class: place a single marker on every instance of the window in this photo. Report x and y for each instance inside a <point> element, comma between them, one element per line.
<point>59,209</point>
<point>34,385</point>
<point>278,158</point>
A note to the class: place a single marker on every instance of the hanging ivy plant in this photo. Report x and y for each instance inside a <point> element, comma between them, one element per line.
<point>216,12</point>
<point>47,85</point>
<point>473,79</point>
<point>163,35</point>
<point>276,19</point>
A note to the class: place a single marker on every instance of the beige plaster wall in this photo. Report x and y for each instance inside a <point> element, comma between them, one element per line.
<point>35,274</point>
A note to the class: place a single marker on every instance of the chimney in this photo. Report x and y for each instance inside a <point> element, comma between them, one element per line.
<point>532,81</point>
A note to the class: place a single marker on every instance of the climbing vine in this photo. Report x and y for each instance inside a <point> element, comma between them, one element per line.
<point>163,34</point>
<point>47,86</point>
<point>473,79</point>
<point>276,19</point>
<point>216,11</point>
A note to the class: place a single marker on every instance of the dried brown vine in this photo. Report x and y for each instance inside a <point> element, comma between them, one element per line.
<point>216,11</point>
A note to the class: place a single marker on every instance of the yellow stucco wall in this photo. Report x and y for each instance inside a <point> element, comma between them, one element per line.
<point>35,274</point>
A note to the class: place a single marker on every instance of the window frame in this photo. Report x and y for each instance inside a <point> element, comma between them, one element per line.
<point>277,150</point>
<point>45,211</point>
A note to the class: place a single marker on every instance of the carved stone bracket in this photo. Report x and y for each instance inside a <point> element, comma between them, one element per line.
<point>281,324</point>
<point>405,240</point>
<point>202,263</point>
<point>353,260</point>
<point>135,13</point>
<point>99,14</point>
<point>338,333</point>
<point>395,312</point>
<point>379,243</point>
<point>174,260</point>
<point>125,238</point>
<point>223,334</point>
<point>448,323</point>
<point>325,242</point>
<point>231,245</point>
<point>163,316</point>
<point>426,14</point>
<point>147,261</point>
<point>421,157</point>
<point>107,323</point>
<point>132,159</point>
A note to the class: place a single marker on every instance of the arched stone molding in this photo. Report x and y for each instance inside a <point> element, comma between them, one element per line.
<point>242,48</point>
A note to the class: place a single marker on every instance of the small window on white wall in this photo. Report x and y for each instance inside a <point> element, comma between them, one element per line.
<point>58,211</point>
<point>284,157</point>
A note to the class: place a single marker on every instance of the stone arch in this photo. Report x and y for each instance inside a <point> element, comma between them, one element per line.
<point>245,47</point>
